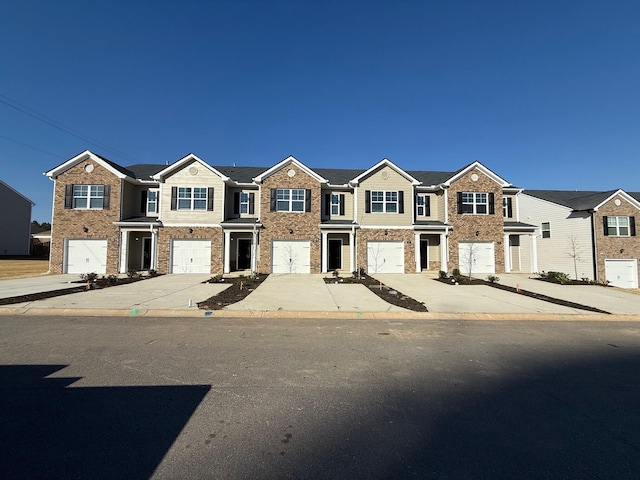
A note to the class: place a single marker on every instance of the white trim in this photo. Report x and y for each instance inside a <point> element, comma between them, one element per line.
<point>180,163</point>
<point>290,160</point>
<point>83,157</point>
<point>386,227</point>
<point>499,180</point>
<point>329,240</point>
<point>250,240</point>
<point>193,225</point>
<point>624,195</point>
<point>390,164</point>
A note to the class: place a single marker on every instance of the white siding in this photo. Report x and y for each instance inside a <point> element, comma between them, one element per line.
<point>555,253</point>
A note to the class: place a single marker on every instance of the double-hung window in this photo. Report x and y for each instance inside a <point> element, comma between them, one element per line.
<point>192,198</point>
<point>88,196</point>
<point>507,207</point>
<point>384,201</point>
<point>152,201</point>
<point>546,230</point>
<point>618,226</point>
<point>475,203</point>
<point>244,202</point>
<point>335,204</point>
<point>290,199</point>
<point>422,206</point>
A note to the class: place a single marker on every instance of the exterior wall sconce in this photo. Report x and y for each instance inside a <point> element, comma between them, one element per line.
<point>622,250</point>
<point>291,231</point>
<point>85,229</point>
<point>386,232</point>
<point>477,232</point>
<point>191,230</point>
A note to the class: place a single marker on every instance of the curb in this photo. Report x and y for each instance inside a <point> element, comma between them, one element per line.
<point>281,314</point>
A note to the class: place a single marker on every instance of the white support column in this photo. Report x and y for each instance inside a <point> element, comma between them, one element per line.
<point>124,244</point>
<point>507,254</point>
<point>418,246</point>
<point>324,252</point>
<point>444,252</point>
<point>352,250</point>
<point>154,248</point>
<point>534,254</point>
<point>227,251</point>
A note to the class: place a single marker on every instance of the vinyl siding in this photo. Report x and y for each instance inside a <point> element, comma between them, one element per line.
<point>393,182</point>
<point>16,223</point>
<point>554,254</point>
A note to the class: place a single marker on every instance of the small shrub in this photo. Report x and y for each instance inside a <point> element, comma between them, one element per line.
<point>335,273</point>
<point>133,273</point>
<point>89,277</point>
<point>218,278</point>
<point>492,279</point>
<point>442,275</point>
<point>559,277</point>
<point>112,279</point>
<point>456,272</point>
<point>153,273</point>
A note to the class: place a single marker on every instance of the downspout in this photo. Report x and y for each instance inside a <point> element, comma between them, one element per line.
<point>594,245</point>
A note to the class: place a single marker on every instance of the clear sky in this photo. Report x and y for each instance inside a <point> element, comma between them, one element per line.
<point>544,93</point>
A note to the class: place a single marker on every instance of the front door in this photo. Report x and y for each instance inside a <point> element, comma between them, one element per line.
<point>424,254</point>
<point>146,253</point>
<point>335,254</point>
<point>244,254</point>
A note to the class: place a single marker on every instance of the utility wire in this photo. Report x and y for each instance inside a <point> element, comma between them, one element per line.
<point>53,123</point>
<point>31,146</point>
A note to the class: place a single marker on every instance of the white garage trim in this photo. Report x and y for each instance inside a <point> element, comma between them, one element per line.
<point>621,273</point>
<point>385,257</point>
<point>85,256</point>
<point>291,256</point>
<point>480,255</point>
<point>191,256</point>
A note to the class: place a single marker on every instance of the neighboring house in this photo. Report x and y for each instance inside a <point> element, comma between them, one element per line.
<point>15,218</point>
<point>191,216</point>
<point>40,241</point>
<point>586,234</point>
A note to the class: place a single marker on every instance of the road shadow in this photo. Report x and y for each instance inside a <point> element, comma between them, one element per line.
<point>49,429</point>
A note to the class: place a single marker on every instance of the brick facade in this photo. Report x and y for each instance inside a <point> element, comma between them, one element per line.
<point>476,228</point>
<point>614,247</point>
<point>378,235</point>
<point>69,223</point>
<point>166,234</point>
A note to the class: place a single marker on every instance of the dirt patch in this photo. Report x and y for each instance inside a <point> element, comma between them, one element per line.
<point>22,267</point>
<point>240,288</point>
<point>383,291</point>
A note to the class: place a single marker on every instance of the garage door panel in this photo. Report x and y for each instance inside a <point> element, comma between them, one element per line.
<point>479,255</point>
<point>622,273</point>
<point>291,256</point>
<point>191,256</point>
<point>385,257</point>
<point>86,256</point>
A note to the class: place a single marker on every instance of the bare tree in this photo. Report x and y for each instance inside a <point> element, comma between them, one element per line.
<point>290,258</point>
<point>575,253</point>
<point>374,259</point>
<point>468,257</point>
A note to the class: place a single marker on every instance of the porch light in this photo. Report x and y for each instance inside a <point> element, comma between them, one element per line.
<point>85,229</point>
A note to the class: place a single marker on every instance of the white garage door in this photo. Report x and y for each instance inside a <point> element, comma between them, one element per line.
<point>385,257</point>
<point>86,256</point>
<point>191,256</point>
<point>291,256</point>
<point>622,273</point>
<point>479,255</point>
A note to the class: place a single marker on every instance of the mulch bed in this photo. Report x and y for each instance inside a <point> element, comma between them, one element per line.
<point>386,293</point>
<point>526,293</point>
<point>81,286</point>
<point>240,288</point>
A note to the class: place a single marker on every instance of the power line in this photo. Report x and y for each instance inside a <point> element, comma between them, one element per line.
<point>60,126</point>
<point>31,146</point>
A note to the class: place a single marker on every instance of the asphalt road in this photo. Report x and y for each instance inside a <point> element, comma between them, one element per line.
<point>334,399</point>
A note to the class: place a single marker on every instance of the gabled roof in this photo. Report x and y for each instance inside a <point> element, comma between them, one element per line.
<point>182,162</point>
<point>431,178</point>
<point>145,171</point>
<point>240,174</point>
<point>574,199</point>
<point>290,160</point>
<point>113,167</point>
<point>496,178</point>
<point>390,164</point>
<point>17,193</point>
<point>338,176</point>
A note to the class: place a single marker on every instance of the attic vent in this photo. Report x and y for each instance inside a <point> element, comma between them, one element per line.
<point>474,177</point>
<point>384,175</point>
<point>88,168</point>
<point>193,170</point>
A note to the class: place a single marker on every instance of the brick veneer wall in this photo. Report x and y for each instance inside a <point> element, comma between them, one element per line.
<point>608,247</point>
<point>68,223</point>
<point>166,234</point>
<point>490,228</point>
<point>305,225</point>
<point>377,235</point>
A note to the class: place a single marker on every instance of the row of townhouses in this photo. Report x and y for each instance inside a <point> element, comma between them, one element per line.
<point>193,217</point>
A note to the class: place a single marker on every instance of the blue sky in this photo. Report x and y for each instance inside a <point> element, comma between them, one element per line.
<point>544,93</point>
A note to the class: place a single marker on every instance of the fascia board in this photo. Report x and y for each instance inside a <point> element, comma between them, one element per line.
<point>18,193</point>
<point>186,159</point>
<point>82,157</point>
<point>389,163</point>
<point>290,160</point>
<point>496,178</point>
<point>624,195</point>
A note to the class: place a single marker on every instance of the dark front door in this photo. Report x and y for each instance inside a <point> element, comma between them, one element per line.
<point>146,253</point>
<point>335,255</point>
<point>244,254</point>
<point>424,254</point>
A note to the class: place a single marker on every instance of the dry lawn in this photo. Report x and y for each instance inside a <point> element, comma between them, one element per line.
<point>22,267</point>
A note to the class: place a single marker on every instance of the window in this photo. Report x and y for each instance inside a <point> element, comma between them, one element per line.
<point>192,198</point>
<point>152,201</point>
<point>546,230</point>
<point>290,199</point>
<point>244,202</point>
<point>335,204</point>
<point>507,207</point>
<point>476,203</point>
<point>384,202</point>
<point>88,196</point>
<point>618,226</point>
<point>423,206</point>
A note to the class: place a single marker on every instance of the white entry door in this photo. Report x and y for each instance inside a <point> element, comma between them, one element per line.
<point>191,256</point>
<point>385,257</point>
<point>86,256</point>
<point>622,273</point>
<point>291,256</point>
<point>480,256</point>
